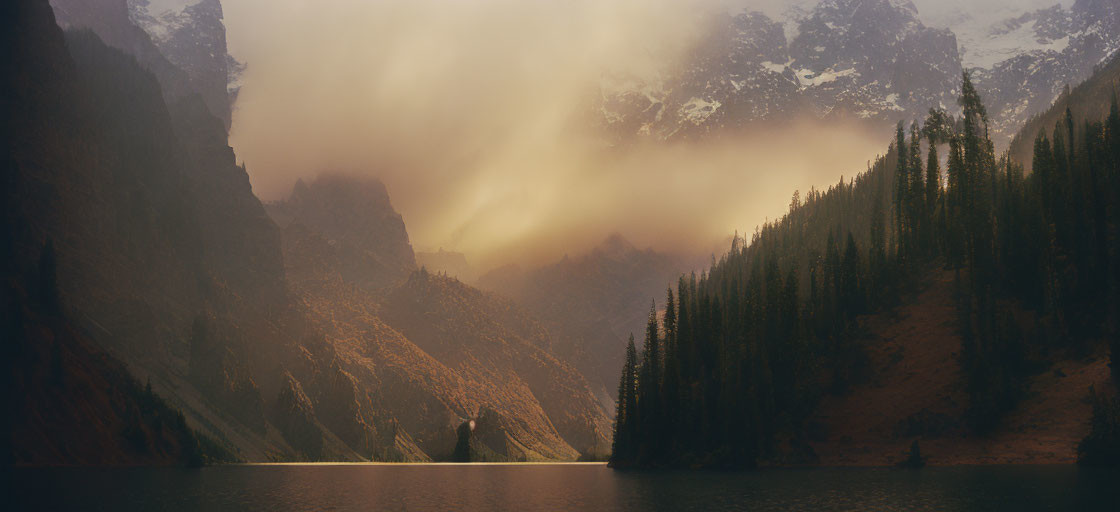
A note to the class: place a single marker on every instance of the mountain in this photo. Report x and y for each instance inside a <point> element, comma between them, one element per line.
<point>192,36</point>
<point>166,259</point>
<point>1054,48</point>
<point>357,219</point>
<point>592,302</point>
<point>66,400</point>
<point>188,62</point>
<point>1090,101</point>
<point>452,263</point>
<point>93,162</point>
<point>426,351</point>
<point>876,61</point>
<point>278,343</point>
<point>506,360</point>
<point>848,59</point>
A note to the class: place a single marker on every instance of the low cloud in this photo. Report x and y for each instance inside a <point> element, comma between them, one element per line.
<point>474,115</point>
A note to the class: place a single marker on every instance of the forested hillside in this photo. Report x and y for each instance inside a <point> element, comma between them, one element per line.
<point>1090,100</point>
<point>747,351</point>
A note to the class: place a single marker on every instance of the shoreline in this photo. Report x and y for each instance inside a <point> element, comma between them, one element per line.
<point>762,469</point>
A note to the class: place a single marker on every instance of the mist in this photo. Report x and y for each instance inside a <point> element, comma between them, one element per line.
<point>475,115</point>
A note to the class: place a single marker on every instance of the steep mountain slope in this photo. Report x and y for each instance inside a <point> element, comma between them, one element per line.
<point>192,36</point>
<point>1090,101</point>
<point>57,155</point>
<point>592,302</point>
<point>165,257</point>
<point>67,402</point>
<point>190,61</point>
<point>428,352</point>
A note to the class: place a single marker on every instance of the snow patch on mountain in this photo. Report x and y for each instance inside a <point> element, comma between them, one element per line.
<point>810,79</point>
<point>696,110</point>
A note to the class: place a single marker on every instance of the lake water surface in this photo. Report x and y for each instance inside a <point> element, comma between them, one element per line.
<point>564,487</point>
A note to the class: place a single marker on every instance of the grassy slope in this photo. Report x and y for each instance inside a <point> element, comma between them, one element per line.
<point>917,392</point>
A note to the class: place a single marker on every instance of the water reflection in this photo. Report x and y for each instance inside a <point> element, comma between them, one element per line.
<point>564,487</point>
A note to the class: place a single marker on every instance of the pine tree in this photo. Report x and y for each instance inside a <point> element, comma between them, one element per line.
<point>916,197</point>
<point>1044,175</point>
<point>620,444</point>
<point>850,272</point>
<point>832,266</point>
<point>902,190</point>
<point>626,418</point>
<point>649,393</point>
<point>671,382</point>
<point>954,205</point>
<point>653,348</point>
<point>877,255</point>
<point>936,131</point>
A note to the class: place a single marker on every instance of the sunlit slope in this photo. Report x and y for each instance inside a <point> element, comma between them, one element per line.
<point>425,351</point>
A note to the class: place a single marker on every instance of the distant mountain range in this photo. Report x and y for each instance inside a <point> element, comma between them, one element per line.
<point>875,61</point>
<point>593,301</point>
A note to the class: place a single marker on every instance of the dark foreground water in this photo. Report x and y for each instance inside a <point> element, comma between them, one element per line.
<point>565,487</point>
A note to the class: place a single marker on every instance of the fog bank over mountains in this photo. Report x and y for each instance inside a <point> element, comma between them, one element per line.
<point>476,117</point>
<point>514,131</point>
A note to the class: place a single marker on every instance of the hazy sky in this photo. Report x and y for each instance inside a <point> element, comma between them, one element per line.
<point>468,111</point>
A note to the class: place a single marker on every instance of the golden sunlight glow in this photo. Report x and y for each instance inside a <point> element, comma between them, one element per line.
<point>475,115</point>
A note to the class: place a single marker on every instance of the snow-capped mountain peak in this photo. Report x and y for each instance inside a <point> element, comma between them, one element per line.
<point>879,60</point>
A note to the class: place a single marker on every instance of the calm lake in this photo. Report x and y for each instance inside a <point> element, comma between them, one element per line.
<point>565,487</point>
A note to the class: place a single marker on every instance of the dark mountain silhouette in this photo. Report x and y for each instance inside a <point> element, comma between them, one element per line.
<point>165,257</point>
